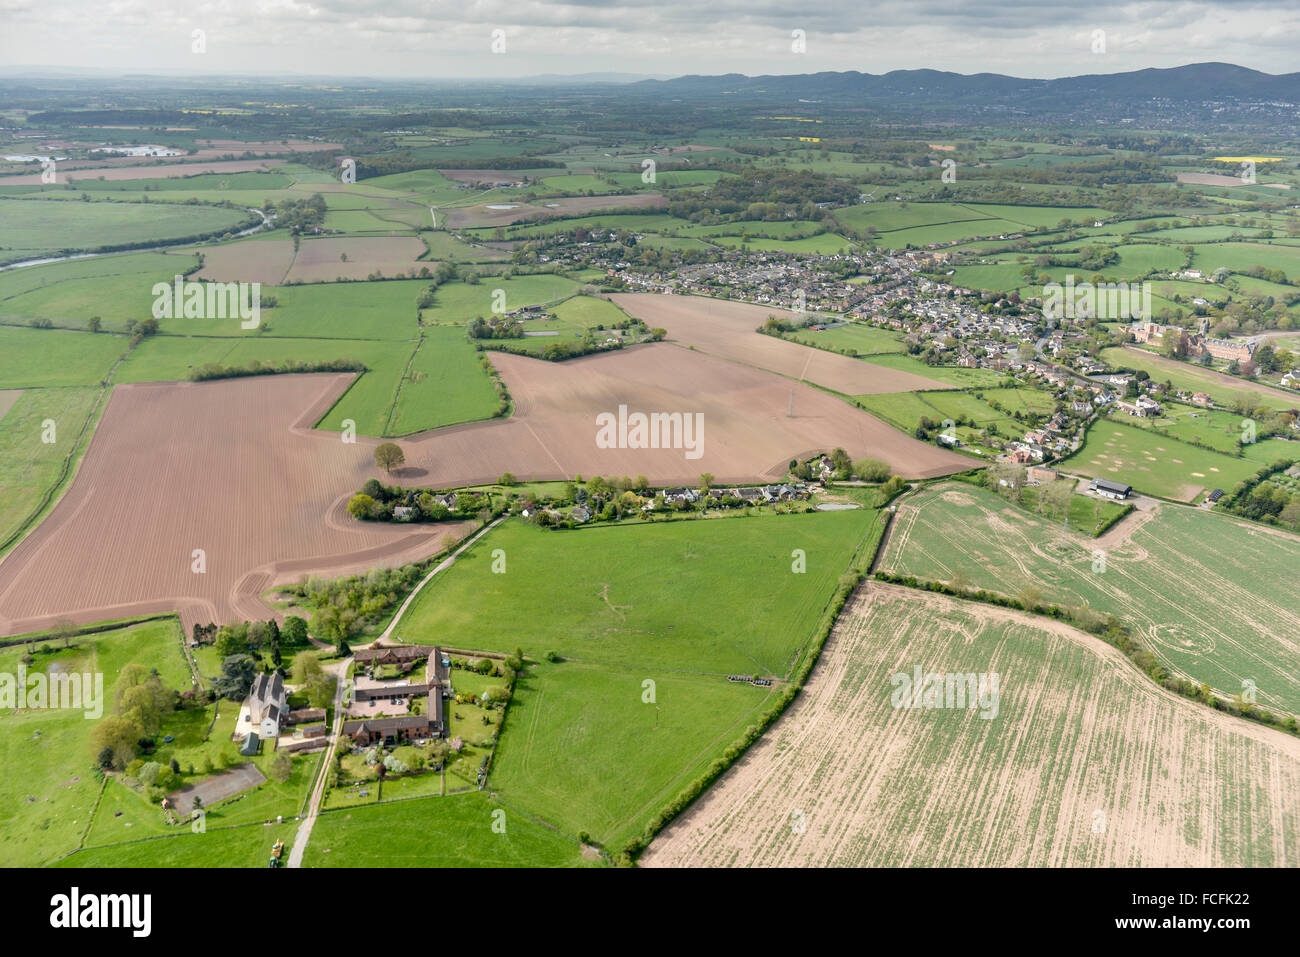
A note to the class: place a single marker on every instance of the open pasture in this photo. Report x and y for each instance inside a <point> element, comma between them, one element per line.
<point>31,358</point>
<point>45,810</point>
<point>30,467</point>
<point>1224,389</point>
<point>1155,463</point>
<point>581,747</point>
<point>566,207</point>
<point>116,288</point>
<point>32,228</point>
<point>77,175</point>
<point>452,831</point>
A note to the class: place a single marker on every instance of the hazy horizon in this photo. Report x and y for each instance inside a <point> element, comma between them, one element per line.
<point>445,41</point>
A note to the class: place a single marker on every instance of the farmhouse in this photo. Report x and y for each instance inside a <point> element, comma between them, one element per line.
<point>680,495</point>
<point>267,700</point>
<point>390,730</point>
<point>368,728</point>
<point>392,654</point>
<point>1109,489</point>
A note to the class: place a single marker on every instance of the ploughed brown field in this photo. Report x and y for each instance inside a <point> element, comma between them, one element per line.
<point>726,328</point>
<point>234,468</point>
<point>253,260</point>
<point>461,217</point>
<point>228,467</point>
<point>1210,179</point>
<point>482,175</point>
<point>273,262</point>
<point>73,171</point>
<point>318,259</point>
<point>748,434</point>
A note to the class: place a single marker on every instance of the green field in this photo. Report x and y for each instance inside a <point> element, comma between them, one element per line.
<point>188,184</point>
<point>115,288</point>
<point>1203,592</point>
<point>1241,257</point>
<point>30,358</point>
<point>1220,430</point>
<point>1155,463</point>
<point>350,310</point>
<point>854,338</point>
<point>572,319</point>
<point>30,467</point>
<point>45,810</point>
<point>584,751</point>
<point>1223,389</point>
<point>452,831</point>
<point>580,747</point>
<point>905,410</point>
<point>246,846</point>
<point>32,228</point>
<point>956,376</point>
<point>456,303</point>
<point>444,385</point>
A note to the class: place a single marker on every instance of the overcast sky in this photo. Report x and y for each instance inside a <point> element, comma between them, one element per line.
<point>453,38</point>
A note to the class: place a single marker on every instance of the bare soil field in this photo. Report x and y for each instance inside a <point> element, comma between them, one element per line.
<point>235,468</point>
<point>481,175</point>
<point>212,148</point>
<point>137,171</point>
<point>462,217</point>
<point>1086,762</point>
<point>1210,179</point>
<point>747,434</point>
<point>258,260</point>
<point>319,260</point>
<point>217,466</point>
<point>7,398</point>
<point>725,328</point>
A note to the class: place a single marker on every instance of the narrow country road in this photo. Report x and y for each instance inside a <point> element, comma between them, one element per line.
<point>318,793</point>
<point>341,668</point>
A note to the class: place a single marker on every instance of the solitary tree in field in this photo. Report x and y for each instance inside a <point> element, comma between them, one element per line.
<point>388,456</point>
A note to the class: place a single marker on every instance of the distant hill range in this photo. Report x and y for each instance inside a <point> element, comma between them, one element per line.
<point>1194,83</point>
